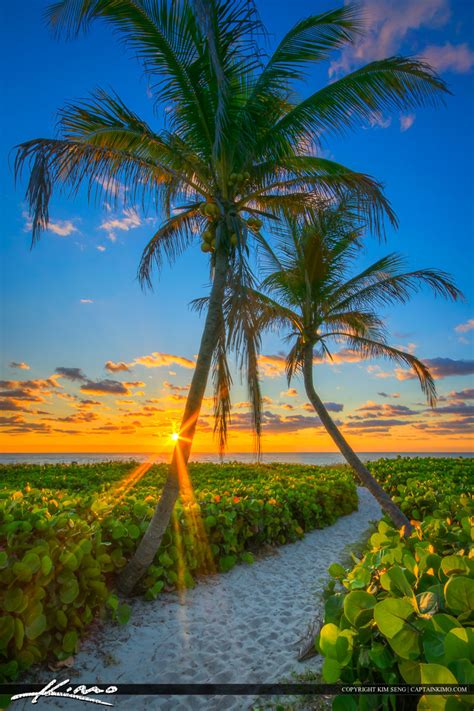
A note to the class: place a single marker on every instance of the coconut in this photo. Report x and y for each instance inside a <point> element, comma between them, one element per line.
<point>205,247</point>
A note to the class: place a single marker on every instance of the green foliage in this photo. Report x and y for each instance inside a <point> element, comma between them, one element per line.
<point>66,530</point>
<point>406,608</point>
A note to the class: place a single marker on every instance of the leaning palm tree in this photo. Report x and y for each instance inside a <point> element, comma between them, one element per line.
<point>310,292</point>
<point>237,148</point>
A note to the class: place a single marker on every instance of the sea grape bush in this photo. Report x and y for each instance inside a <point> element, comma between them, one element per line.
<point>425,486</point>
<point>404,613</point>
<point>66,531</point>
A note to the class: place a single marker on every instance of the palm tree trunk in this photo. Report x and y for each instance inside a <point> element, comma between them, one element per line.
<point>366,478</point>
<point>151,541</point>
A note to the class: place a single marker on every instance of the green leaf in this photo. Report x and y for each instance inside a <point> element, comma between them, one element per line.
<point>331,670</point>
<point>390,615</point>
<point>19,633</point>
<point>463,670</point>
<point>46,565</point>
<point>69,590</point>
<point>436,674</point>
<point>247,557</point>
<point>227,562</point>
<point>36,627</point>
<point>456,645</point>
<point>13,599</point>
<point>455,565</point>
<point>459,594</point>
<point>3,560</point>
<point>405,643</point>
<point>336,571</point>
<point>395,581</point>
<point>358,607</point>
<point>7,630</point>
<point>123,613</point>
<point>70,641</point>
<point>344,703</point>
<point>427,603</point>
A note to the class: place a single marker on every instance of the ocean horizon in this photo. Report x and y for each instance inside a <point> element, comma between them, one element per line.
<point>246,457</point>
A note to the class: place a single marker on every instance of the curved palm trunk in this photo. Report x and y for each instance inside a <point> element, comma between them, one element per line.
<point>366,478</point>
<point>151,541</point>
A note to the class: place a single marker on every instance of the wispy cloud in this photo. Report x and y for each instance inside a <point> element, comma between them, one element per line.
<point>86,301</point>
<point>465,327</point>
<point>407,121</point>
<point>117,367</point>
<point>20,366</point>
<point>388,23</point>
<point>130,221</point>
<point>158,360</point>
<point>458,58</point>
<point>440,368</point>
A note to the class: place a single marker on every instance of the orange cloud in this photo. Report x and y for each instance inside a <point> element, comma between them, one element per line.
<point>158,360</point>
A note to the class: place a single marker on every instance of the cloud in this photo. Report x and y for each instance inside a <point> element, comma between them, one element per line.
<point>456,409</point>
<point>130,221</point>
<point>9,405</point>
<point>388,23</point>
<point>395,395</point>
<point>457,58</point>
<point>274,424</point>
<point>378,120</point>
<point>86,301</point>
<point>407,121</point>
<point>447,427</point>
<point>109,387</point>
<point>385,410</point>
<point>334,406</point>
<point>272,366</point>
<point>158,360</point>
<point>32,390</point>
<point>465,327</point>
<point>345,355</point>
<point>74,374</point>
<point>117,367</point>
<point>101,248</point>
<point>372,423</point>
<point>63,228</point>
<point>440,368</point>
<point>175,388</point>
<point>467,394</point>
<point>291,392</point>
<point>20,366</point>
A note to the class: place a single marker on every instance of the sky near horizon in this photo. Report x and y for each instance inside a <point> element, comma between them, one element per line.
<point>91,362</point>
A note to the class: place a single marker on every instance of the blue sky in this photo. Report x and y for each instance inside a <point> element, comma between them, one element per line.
<point>74,300</point>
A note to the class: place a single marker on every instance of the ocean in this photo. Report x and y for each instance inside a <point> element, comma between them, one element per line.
<point>284,457</point>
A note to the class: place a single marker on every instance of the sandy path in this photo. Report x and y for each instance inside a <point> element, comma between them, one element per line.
<point>240,627</point>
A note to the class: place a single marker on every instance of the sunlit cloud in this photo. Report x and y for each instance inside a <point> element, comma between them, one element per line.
<point>20,366</point>
<point>440,368</point>
<point>388,24</point>
<point>158,360</point>
<point>407,121</point>
<point>117,367</point>
<point>465,327</point>
<point>130,221</point>
<point>457,58</point>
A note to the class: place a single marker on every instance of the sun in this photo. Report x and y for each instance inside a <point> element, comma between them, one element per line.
<point>175,436</point>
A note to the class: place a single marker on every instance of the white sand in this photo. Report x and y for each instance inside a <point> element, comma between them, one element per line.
<point>244,626</point>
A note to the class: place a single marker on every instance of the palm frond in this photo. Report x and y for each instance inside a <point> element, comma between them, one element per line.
<point>368,348</point>
<point>172,238</point>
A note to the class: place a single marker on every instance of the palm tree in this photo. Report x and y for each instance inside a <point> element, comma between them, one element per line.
<point>238,148</point>
<point>310,292</point>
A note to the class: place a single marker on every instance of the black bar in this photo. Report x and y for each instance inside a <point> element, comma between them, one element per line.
<point>246,689</point>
